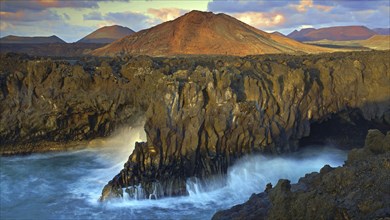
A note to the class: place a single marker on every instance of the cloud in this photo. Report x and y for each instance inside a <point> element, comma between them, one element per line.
<point>290,15</point>
<point>29,16</point>
<point>259,19</point>
<point>93,16</point>
<point>166,14</point>
<point>355,5</point>
<point>40,5</point>
<point>303,5</point>
<point>5,25</point>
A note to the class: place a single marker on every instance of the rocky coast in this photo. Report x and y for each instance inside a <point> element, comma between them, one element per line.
<point>202,113</point>
<point>358,190</point>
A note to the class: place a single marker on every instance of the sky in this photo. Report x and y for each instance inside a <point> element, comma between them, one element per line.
<point>71,20</point>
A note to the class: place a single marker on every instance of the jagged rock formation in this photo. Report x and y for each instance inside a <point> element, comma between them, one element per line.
<point>204,33</point>
<point>107,34</point>
<point>207,117</point>
<point>53,105</point>
<point>202,113</point>
<point>358,190</point>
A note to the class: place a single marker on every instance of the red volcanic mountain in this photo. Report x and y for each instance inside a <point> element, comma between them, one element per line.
<point>204,33</point>
<point>107,34</point>
<point>339,33</point>
<point>11,39</point>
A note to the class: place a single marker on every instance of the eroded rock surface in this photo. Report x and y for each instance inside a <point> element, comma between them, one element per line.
<point>202,113</point>
<point>358,190</point>
<point>50,105</point>
<point>205,118</point>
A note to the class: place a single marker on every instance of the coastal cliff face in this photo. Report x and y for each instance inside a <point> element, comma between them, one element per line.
<point>202,113</point>
<point>358,190</point>
<point>54,105</point>
<point>207,117</point>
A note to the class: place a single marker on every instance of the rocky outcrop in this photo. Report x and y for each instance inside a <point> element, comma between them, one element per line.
<point>207,117</point>
<point>202,113</point>
<point>358,190</point>
<point>53,105</point>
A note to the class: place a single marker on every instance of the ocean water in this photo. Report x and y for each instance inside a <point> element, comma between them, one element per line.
<point>67,185</point>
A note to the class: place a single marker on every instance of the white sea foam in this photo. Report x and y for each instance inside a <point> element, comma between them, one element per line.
<point>68,185</point>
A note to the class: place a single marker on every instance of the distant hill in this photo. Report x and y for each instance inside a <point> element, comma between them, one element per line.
<point>376,42</point>
<point>204,33</point>
<point>278,33</point>
<point>107,34</point>
<point>11,39</point>
<point>300,35</point>
<point>339,33</point>
<point>382,31</point>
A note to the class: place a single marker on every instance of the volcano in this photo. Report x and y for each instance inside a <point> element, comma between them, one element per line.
<point>107,34</point>
<point>204,33</point>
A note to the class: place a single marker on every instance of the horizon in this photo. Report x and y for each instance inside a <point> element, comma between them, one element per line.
<point>73,20</point>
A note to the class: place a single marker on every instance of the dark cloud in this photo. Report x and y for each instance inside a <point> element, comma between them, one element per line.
<point>40,5</point>
<point>93,16</point>
<point>30,16</point>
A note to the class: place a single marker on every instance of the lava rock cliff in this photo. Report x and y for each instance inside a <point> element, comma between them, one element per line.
<point>202,113</point>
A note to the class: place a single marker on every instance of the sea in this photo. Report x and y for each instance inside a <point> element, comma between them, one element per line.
<point>67,185</point>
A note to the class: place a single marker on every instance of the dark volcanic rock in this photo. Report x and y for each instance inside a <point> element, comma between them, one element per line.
<point>208,116</point>
<point>50,105</point>
<point>202,113</point>
<point>358,190</point>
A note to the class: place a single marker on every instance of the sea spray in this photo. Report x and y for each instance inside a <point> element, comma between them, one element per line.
<point>251,174</point>
<point>67,185</point>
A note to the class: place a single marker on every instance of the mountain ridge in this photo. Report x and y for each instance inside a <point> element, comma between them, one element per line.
<point>333,33</point>
<point>12,39</point>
